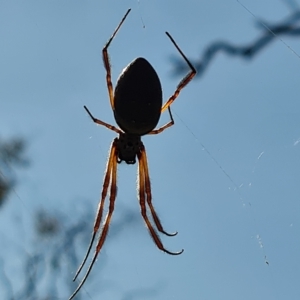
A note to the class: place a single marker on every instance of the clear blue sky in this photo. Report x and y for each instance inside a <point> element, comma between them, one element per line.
<point>226,176</point>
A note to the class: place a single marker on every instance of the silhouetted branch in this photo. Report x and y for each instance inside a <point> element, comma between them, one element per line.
<point>269,32</point>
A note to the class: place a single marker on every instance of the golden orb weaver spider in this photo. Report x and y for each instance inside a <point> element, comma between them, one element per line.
<point>137,105</point>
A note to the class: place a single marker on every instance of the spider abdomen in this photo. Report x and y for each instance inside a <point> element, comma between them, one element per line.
<point>138,98</point>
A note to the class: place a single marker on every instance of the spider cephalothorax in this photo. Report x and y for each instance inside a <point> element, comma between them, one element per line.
<point>128,146</point>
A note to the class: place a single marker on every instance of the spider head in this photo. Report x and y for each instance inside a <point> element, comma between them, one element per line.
<point>128,147</point>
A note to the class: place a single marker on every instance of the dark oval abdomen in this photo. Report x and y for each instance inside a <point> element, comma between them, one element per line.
<point>138,98</point>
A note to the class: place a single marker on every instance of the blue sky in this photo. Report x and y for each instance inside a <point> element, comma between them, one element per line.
<point>226,176</point>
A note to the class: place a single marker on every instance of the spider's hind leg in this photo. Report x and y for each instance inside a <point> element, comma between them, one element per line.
<point>184,81</point>
<point>107,64</point>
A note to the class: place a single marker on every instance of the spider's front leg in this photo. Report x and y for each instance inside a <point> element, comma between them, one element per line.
<point>110,179</point>
<point>145,195</point>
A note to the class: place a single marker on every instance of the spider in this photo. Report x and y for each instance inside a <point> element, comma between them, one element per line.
<point>137,105</point>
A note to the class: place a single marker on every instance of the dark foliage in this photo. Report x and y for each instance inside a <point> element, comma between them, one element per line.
<point>11,155</point>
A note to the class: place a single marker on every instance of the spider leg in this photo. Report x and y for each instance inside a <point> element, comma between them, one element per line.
<point>112,198</point>
<point>100,207</point>
<point>105,57</point>
<point>97,121</point>
<point>161,129</point>
<point>184,81</point>
<point>149,194</point>
<point>144,189</point>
